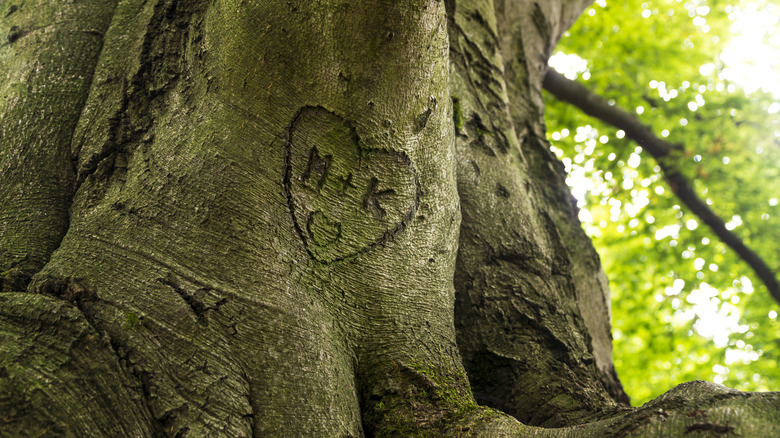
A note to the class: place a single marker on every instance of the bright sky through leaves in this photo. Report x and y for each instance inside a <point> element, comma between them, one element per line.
<point>751,59</point>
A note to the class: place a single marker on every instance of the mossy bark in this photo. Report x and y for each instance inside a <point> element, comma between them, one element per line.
<point>299,219</point>
<point>48,52</point>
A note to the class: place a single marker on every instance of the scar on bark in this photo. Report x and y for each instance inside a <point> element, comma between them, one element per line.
<point>502,191</point>
<point>193,300</point>
<point>70,289</point>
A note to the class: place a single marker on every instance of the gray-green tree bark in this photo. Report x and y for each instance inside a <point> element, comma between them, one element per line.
<point>302,218</point>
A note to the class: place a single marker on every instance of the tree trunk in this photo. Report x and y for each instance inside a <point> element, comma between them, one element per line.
<point>301,219</point>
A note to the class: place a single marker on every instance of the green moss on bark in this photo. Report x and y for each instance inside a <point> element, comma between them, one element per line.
<point>47,59</point>
<point>423,400</point>
<point>457,115</point>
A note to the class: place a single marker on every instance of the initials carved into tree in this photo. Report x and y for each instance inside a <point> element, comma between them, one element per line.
<point>344,198</point>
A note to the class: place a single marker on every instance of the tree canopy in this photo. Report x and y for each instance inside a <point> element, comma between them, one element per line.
<point>685,305</point>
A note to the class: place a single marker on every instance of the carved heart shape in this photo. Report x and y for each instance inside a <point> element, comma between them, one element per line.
<point>344,198</point>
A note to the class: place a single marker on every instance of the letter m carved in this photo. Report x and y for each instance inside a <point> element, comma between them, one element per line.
<point>316,170</point>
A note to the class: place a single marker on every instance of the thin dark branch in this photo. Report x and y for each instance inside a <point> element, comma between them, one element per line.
<point>576,94</point>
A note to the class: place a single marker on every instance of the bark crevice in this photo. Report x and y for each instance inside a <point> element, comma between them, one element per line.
<point>161,66</point>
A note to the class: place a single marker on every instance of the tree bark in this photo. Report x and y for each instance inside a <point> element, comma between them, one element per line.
<point>518,312</point>
<point>301,219</point>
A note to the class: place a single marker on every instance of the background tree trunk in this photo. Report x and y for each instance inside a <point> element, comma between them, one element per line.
<point>299,219</point>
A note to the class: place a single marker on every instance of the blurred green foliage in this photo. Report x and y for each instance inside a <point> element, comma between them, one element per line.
<point>684,307</point>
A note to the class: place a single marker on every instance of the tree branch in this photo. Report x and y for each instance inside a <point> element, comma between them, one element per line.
<point>595,106</point>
